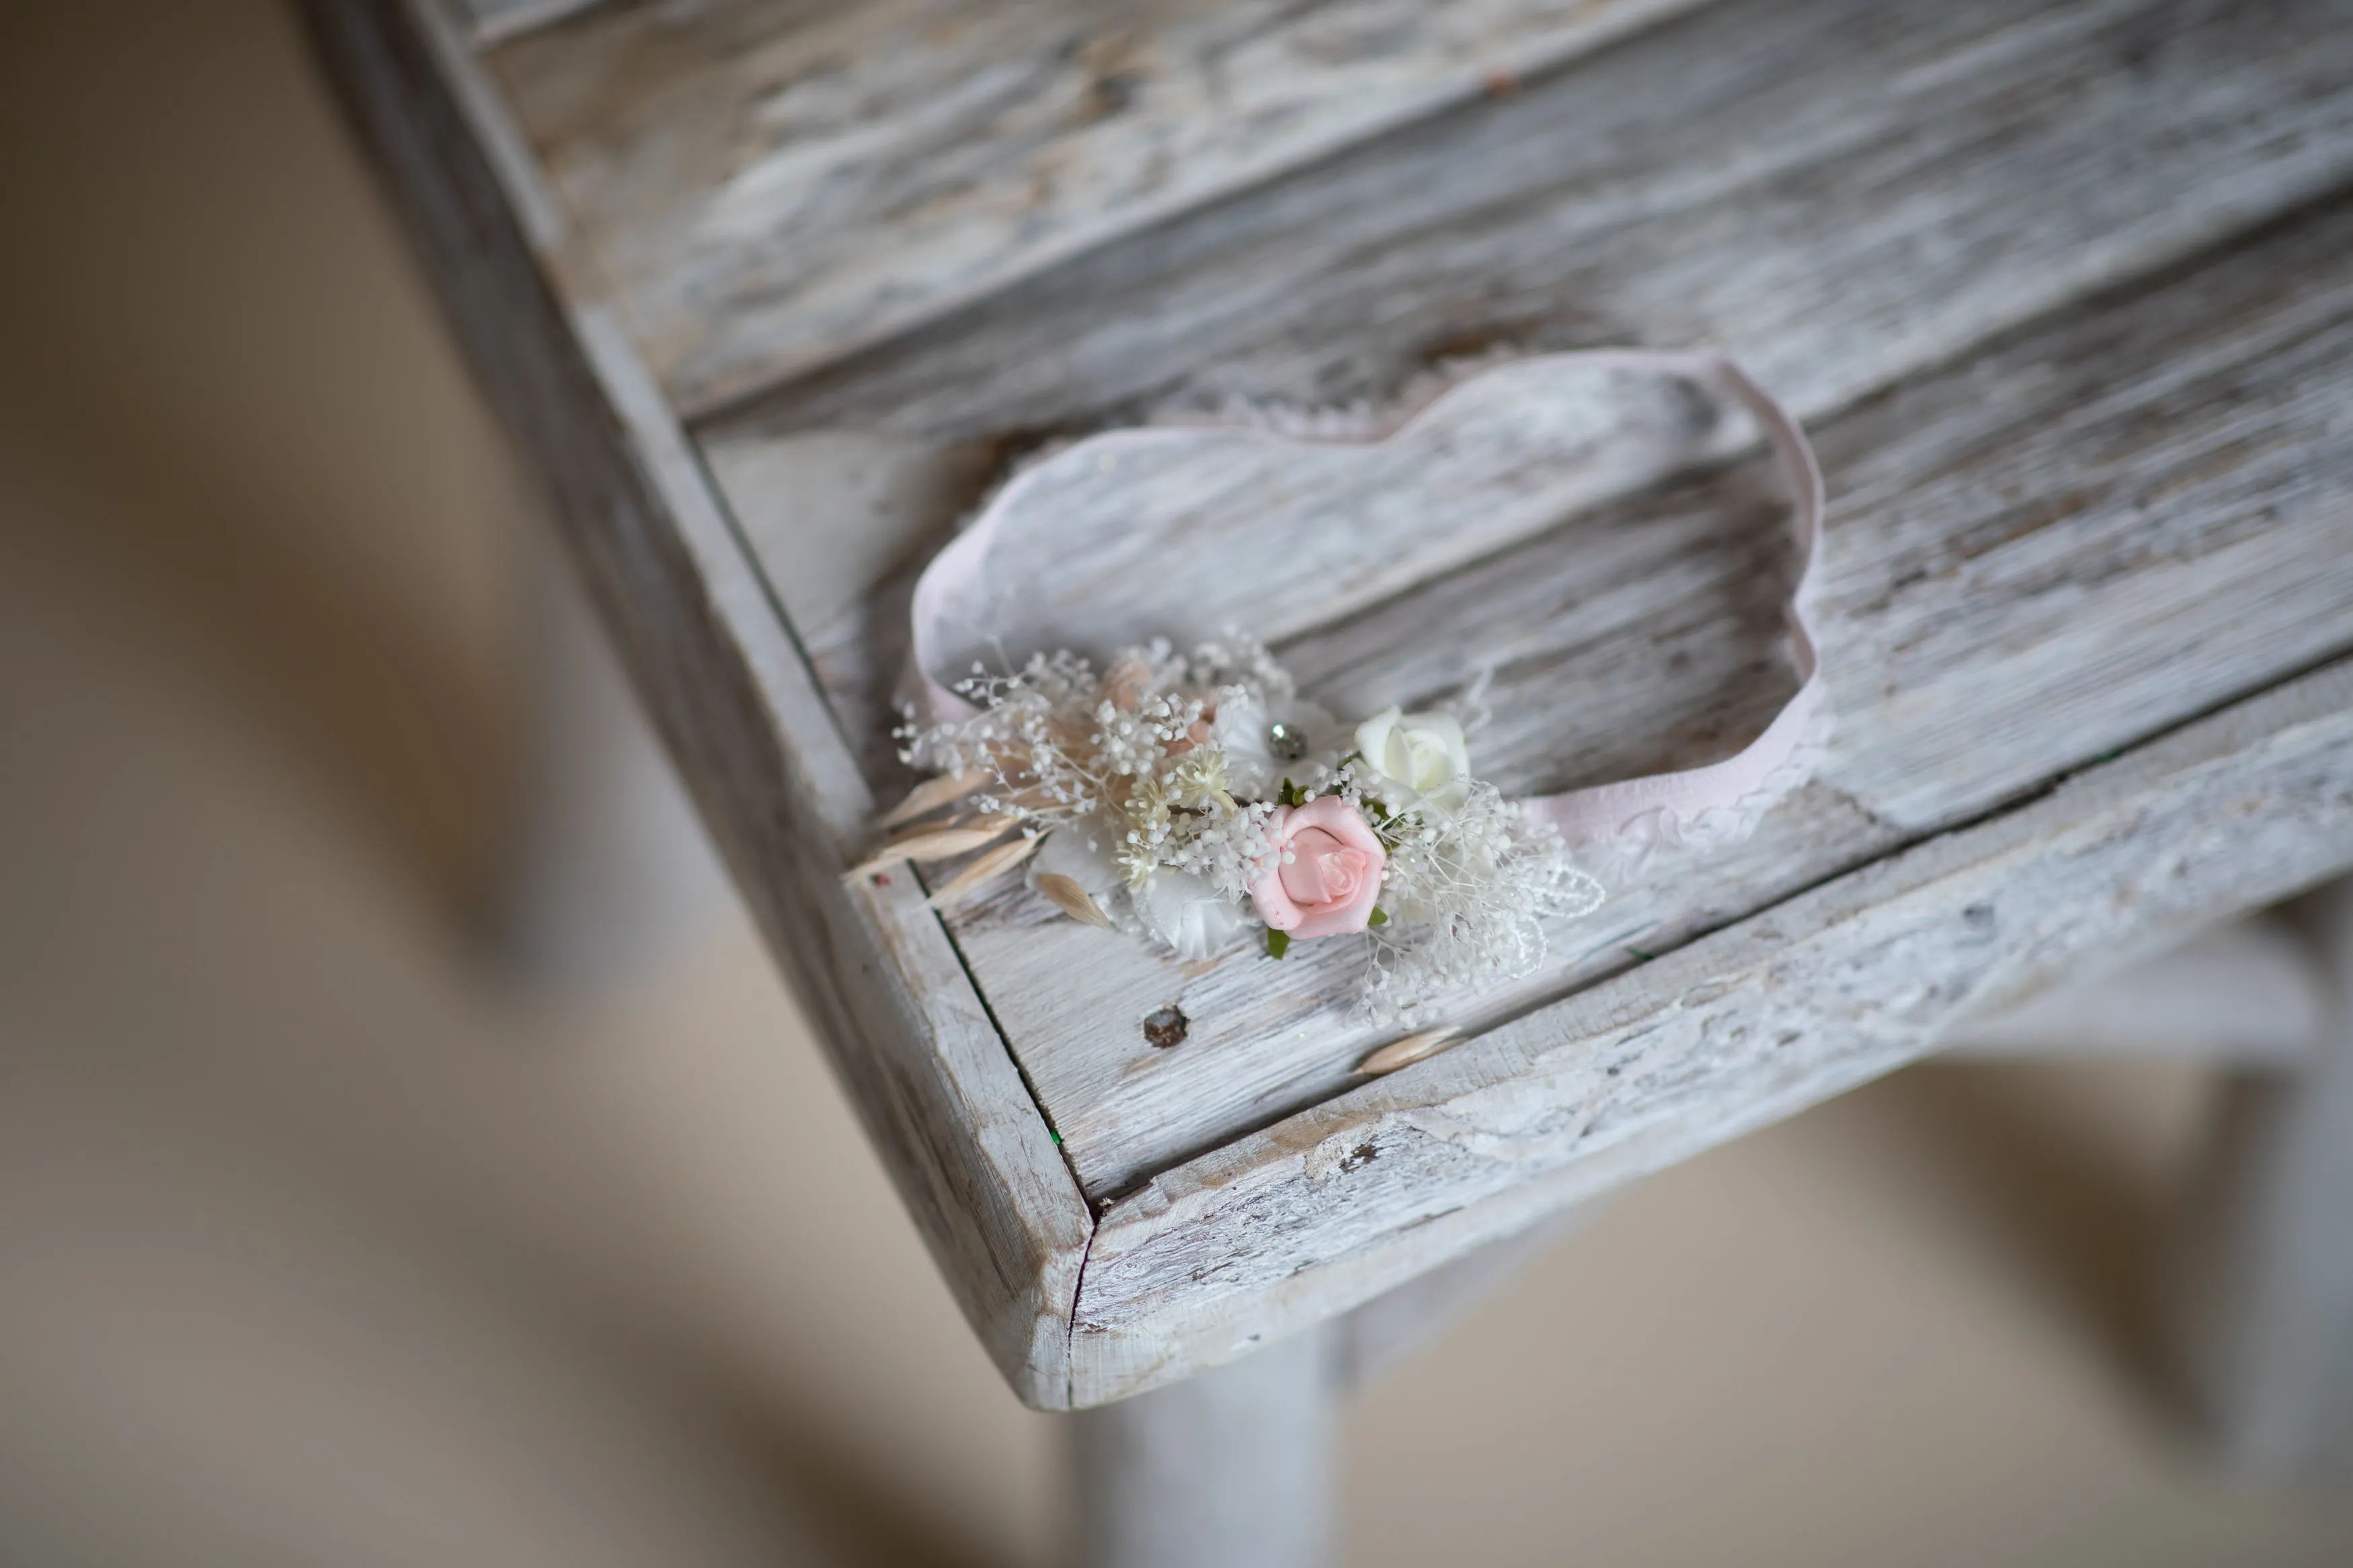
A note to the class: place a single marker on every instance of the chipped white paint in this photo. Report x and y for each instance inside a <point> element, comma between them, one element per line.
<point>768,187</point>
<point>2133,508</point>
<point>2033,557</point>
<point>1835,192</point>
<point>1327,1208</point>
<point>2016,580</point>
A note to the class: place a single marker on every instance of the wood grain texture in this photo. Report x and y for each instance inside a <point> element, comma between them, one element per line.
<point>2036,555</point>
<point>924,1066</point>
<point>768,186</point>
<point>1835,191</point>
<point>1843,193</point>
<point>1331,527</point>
<point>1326,1208</point>
<point>2060,526</point>
<point>1840,192</point>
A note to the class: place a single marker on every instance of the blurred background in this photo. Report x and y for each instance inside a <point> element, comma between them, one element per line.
<point>322,1243</point>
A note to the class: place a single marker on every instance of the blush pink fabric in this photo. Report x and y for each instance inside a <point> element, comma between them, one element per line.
<point>1585,817</point>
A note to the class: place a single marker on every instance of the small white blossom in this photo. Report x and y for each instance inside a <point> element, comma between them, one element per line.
<point>1190,915</point>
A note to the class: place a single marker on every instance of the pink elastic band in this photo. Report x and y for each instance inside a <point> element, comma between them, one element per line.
<point>1584,815</point>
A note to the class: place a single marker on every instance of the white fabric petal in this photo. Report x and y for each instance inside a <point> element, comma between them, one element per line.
<point>1189,915</point>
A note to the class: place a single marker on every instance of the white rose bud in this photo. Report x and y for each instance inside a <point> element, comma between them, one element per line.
<point>1423,751</point>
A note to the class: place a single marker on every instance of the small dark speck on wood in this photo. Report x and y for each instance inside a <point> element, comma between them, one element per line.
<point>1166,1027</point>
<point>1115,93</point>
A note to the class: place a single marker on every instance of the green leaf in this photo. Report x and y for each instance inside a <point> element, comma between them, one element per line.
<point>1291,794</point>
<point>1380,917</point>
<point>1278,942</point>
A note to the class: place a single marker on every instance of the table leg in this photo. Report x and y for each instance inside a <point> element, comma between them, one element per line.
<point>606,866</point>
<point>1388,1329</point>
<point>1234,1466</point>
<point>2267,1279</point>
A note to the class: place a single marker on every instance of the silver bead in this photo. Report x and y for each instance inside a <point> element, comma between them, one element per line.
<point>1285,742</point>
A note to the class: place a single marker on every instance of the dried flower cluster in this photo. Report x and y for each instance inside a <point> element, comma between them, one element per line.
<point>1191,797</point>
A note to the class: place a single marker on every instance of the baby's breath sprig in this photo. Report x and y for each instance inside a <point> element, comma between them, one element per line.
<point>1126,771</point>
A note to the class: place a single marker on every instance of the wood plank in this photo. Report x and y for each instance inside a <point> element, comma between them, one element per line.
<point>769,186</point>
<point>1724,180</point>
<point>1605,205</point>
<point>1836,191</point>
<point>910,1038</point>
<point>2233,811</point>
<point>1326,1208</point>
<point>2033,557</point>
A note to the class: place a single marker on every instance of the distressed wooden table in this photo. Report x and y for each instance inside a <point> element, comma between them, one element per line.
<point>771,293</point>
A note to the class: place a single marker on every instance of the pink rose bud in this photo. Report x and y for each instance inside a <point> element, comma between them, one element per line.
<point>1330,872</point>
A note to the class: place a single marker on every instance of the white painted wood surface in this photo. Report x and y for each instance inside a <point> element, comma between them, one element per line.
<point>1602,206</point>
<point>1836,191</point>
<point>1721,180</point>
<point>1329,1207</point>
<point>924,1066</point>
<point>2072,462</point>
<point>768,187</point>
<point>2266,1273</point>
<point>2034,556</point>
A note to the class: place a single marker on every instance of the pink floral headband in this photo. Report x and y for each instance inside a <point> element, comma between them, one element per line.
<point>1188,797</point>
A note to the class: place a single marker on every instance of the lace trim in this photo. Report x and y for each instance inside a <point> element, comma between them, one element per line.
<point>1665,837</point>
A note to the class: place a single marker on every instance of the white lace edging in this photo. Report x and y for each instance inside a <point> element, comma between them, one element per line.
<point>1666,837</point>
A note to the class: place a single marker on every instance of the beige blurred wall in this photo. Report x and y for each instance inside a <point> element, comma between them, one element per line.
<point>319,1244</point>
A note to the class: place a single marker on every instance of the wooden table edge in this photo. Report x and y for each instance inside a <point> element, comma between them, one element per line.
<point>927,1068</point>
<point>1071,1310</point>
<point>1330,1208</point>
